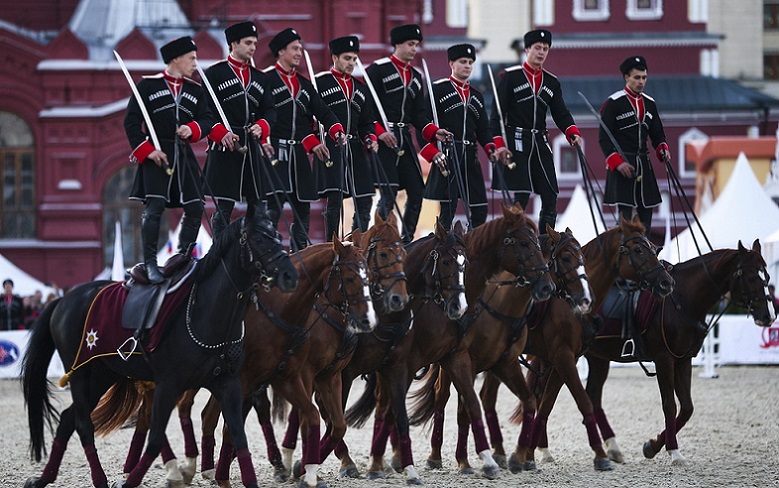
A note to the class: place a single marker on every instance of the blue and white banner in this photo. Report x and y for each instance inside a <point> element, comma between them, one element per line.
<point>13,345</point>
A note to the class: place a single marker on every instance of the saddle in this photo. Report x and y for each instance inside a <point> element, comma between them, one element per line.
<point>620,304</point>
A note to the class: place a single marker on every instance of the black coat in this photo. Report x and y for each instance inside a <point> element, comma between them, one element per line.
<point>467,122</point>
<point>294,122</point>
<point>357,117</point>
<point>167,114</point>
<point>621,119</point>
<point>524,114</point>
<point>231,174</point>
<point>11,314</point>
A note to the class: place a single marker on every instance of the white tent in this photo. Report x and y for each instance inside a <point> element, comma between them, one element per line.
<point>743,212</point>
<point>202,245</point>
<point>577,217</point>
<point>24,284</point>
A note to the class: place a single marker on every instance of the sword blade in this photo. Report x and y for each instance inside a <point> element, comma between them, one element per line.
<point>375,95</point>
<point>144,112</point>
<point>211,92</point>
<point>313,82</point>
<point>603,126</point>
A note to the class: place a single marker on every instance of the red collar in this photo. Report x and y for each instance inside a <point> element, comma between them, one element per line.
<point>284,72</point>
<point>236,64</point>
<point>532,71</point>
<point>400,64</point>
<point>172,79</point>
<point>340,76</point>
<point>632,94</point>
<point>462,85</point>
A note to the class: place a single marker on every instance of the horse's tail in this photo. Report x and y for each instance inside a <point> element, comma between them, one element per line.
<point>278,407</point>
<point>423,399</point>
<point>359,413</point>
<point>117,405</point>
<point>516,415</point>
<point>37,389</point>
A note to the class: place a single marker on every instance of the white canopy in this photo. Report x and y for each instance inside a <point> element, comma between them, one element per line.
<point>743,212</point>
<point>577,217</point>
<point>24,284</point>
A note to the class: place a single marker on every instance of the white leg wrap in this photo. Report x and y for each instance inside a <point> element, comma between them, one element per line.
<point>676,457</point>
<point>172,472</point>
<point>286,457</point>
<point>487,459</point>
<point>310,476</point>
<point>411,473</point>
<point>544,455</point>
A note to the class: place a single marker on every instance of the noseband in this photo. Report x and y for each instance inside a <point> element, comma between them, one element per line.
<point>563,277</point>
<point>347,299</point>
<point>740,291</point>
<point>523,271</point>
<point>646,276</point>
<point>396,248</point>
<point>439,286</point>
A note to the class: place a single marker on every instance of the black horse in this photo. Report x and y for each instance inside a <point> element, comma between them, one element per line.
<point>200,348</point>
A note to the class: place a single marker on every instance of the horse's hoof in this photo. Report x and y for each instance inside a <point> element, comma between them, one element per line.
<point>349,471</point>
<point>395,464</point>
<point>417,481</point>
<point>514,465</point>
<point>545,456</point>
<point>297,470</point>
<point>208,474</point>
<point>490,472</point>
<point>223,484</point>
<point>319,484</point>
<point>280,473</point>
<point>679,462</point>
<point>603,464</point>
<point>468,470</point>
<point>376,475</point>
<point>530,465</point>
<point>175,484</point>
<point>649,452</point>
<point>34,483</point>
<point>118,484</point>
<point>501,460</point>
<point>616,456</point>
<point>434,463</point>
<point>187,469</point>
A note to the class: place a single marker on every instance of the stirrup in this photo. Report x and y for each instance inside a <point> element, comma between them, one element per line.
<point>133,346</point>
<point>631,345</point>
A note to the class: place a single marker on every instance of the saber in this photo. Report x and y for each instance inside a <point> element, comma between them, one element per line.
<point>398,150</point>
<point>511,164</point>
<point>220,111</point>
<point>444,171</point>
<point>329,162</point>
<point>149,126</point>
<point>603,126</point>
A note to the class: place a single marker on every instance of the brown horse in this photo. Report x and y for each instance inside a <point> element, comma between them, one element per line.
<point>497,335</point>
<point>558,337</point>
<point>509,243</point>
<point>675,334</point>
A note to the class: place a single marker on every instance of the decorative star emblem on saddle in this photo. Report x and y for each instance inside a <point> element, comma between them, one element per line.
<point>92,338</point>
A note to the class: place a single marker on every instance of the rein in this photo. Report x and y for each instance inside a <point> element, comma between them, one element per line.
<point>396,248</point>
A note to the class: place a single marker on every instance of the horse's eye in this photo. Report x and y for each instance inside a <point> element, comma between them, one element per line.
<point>566,259</point>
<point>383,255</point>
<point>447,262</point>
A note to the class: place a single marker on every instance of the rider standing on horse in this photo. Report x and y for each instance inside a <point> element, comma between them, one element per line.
<point>297,102</point>
<point>525,92</point>
<point>350,101</point>
<point>631,116</point>
<point>178,109</point>
<point>233,166</point>
<point>461,110</point>
<point>399,89</point>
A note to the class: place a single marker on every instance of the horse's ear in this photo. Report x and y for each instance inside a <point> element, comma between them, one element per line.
<point>440,232</point>
<point>377,219</point>
<point>569,231</point>
<point>550,230</point>
<point>338,247</point>
<point>391,219</point>
<point>511,212</point>
<point>756,246</point>
<point>458,228</point>
<point>357,237</point>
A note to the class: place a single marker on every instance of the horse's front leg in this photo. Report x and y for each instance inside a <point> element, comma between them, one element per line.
<point>665,381</point>
<point>489,398</point>
<point>86,393</point>
<point>348,466</point>
<point>682,387</point>
<point>231,399</point>
<point>190,443</point>
<point>65,429</point>
<point>596,378</point>
<point>397,385</point>
<point>442,394</point>
<point>262,407</point>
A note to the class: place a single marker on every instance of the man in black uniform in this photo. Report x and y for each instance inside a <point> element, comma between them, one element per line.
<point>526,92</point>
<point>462,112</point>
<point>296,102</point>
<point>244,96</point>
<point>631,115</point>
<point>399,88</point>
<point>179,112</point>
<point>349,100</point>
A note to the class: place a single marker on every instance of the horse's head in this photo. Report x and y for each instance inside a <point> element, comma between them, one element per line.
<point>261,246</point>
<point>385,255</point>
<point>640,263</point>
<point>444,270</point>
<point>567,268</point>
<point>749,285</point>
<point>520,253</point>
<point>348,288</point>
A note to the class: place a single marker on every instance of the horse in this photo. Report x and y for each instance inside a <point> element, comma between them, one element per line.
<point>557,337</point>
<point>497,335</point>
<point>674,335</point>
<point>201,347</point>
<point>509,243</point>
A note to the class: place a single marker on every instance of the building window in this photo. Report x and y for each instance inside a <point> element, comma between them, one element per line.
<point>457,13</point>
<point>589,10</point>
<point>644,9</point>
<point>566,159</point>
<point>117,207</point>
<point>698,11</point>
<point>771,66</point>
<point>17,157</point>
<point>771,15</point>
<point>543,12</point>
<point>693,135</point>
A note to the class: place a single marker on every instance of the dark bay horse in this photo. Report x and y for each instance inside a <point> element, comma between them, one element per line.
<point>509,243</point>
<point>497,335</point>
<point>201,347</point>
<point>558,337</point>
<point>675,334</point>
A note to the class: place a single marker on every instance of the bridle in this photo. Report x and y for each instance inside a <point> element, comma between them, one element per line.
<point>348,300</point>
<point>739,289</point>
<point>512,240</point>
<point>441,282</point>
<point>378,289</point>
<point>565,277</point>
<point>646,276</point>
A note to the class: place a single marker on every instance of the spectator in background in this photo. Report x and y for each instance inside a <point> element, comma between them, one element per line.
<point>11,308</point>
<point>772,294</point>
<point>33,306</point>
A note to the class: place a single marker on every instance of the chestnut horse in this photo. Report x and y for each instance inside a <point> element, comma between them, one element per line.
<point>509,243</point>
<point>497,335</point>
<point>675,334</point>
<point>558,337</point>
<point>201,347</point>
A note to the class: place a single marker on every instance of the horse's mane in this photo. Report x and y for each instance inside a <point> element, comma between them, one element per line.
<point>480,238</point>
<point>605,239</point>
<point>416,253</point>
<point>222,243</point>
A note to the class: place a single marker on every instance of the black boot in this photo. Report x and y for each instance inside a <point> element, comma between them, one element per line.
<point>332,217</point>
<point>220,219</point>
<point>188,235</point>
<point>299,231</point>
<point>150,231</point>
<point>547,216</point>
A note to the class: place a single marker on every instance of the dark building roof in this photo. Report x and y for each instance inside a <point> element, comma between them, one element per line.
<point>673,93</point>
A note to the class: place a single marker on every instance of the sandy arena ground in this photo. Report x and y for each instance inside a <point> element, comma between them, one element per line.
<point>732,440</point>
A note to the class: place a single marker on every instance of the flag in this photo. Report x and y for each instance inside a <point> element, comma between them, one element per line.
<point>117,269</point>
